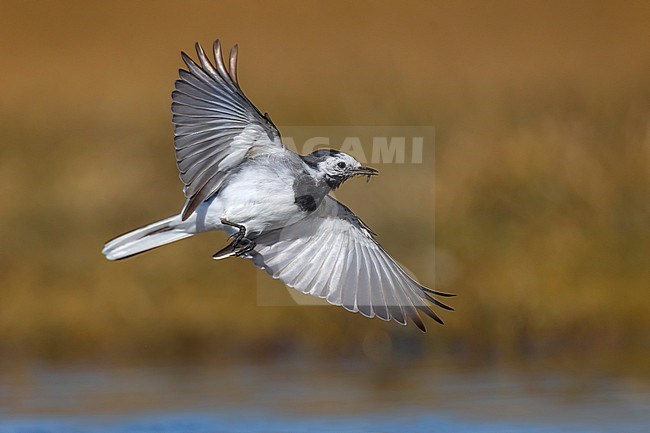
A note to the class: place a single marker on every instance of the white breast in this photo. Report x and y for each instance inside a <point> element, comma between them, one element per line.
<point>259,197</point>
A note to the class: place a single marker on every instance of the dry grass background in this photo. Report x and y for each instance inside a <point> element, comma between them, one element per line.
<point>542,116</point>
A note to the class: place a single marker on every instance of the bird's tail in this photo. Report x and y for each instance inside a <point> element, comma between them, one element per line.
<point>146,238</point>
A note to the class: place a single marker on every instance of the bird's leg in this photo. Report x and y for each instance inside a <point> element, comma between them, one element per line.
<point>239,246</point>
<point>237,237</point>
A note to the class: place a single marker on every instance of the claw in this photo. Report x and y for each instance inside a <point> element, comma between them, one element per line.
<point>239,246</point>
<point>235,249</point>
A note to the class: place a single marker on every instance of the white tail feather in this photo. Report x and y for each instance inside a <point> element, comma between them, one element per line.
<point>144,239</point>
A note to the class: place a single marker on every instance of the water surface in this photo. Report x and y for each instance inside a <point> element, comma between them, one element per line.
<point>303,397</point>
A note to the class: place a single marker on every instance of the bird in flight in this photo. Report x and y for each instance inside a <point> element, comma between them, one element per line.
<point>274,203</point>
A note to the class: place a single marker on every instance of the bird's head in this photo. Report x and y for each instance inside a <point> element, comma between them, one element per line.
<point>336,167</point>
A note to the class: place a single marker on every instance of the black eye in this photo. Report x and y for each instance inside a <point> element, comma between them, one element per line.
<point>341,164</point>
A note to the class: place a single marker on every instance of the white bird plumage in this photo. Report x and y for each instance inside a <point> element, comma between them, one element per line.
<point>240,178</point>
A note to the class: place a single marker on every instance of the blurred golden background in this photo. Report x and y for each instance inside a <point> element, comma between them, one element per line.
<point>542,117</point>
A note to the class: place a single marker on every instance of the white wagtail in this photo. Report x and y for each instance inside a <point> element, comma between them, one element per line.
<point>238,177</point>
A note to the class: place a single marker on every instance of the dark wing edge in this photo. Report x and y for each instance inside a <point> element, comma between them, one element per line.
<point>215,125</point>
<point>309,256</point>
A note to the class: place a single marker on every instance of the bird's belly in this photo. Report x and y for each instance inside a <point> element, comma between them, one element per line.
<point>258,205</point>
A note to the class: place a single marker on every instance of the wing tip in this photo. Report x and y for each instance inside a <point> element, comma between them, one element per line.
<point>433,300</point>
<point>417,320</point>
<point>429,312</point>
<point>189,208</point>
<point>435,292</point>
<point>187,59</point>
<point>233,64</point>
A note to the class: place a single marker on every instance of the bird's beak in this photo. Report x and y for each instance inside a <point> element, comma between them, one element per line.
<point>364,171</point>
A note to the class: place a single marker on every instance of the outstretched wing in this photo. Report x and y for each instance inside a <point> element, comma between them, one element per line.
<point>215,126</point>
<point>332,254</point>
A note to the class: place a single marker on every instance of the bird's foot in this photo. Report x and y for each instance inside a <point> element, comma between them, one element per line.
<point>239,246</point>
<point>235,249</point>
<point>245,245</point>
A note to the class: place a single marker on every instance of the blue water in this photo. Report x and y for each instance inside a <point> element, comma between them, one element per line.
<point>298,397</point>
